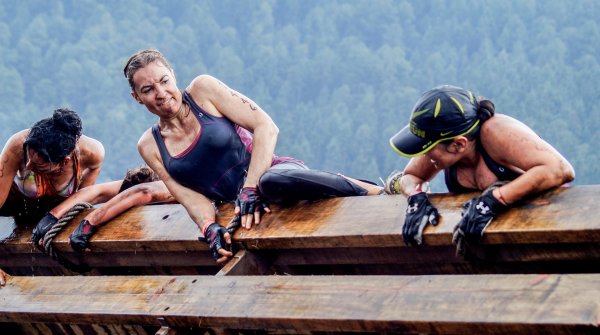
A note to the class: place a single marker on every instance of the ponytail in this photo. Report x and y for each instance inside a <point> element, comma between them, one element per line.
<point>485,110</point>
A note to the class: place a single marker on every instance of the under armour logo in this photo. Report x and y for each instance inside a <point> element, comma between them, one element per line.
<point>482,208</point>
<point>412,208</point>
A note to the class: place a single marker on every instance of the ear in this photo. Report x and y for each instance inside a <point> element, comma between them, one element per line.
<point>136,97</point>
<point>461,143</point>
<point>66,161</point>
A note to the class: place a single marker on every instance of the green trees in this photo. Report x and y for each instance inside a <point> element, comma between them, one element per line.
<point>338,77</point>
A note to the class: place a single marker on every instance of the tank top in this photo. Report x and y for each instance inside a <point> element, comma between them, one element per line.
<point>216,162</point>
<point>35,186</point>
<point>501,172</point>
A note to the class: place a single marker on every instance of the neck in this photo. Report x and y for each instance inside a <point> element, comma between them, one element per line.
<point>178,120</point>
<point>470,155</point>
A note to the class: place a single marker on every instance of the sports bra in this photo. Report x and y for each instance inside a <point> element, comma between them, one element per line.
<point>35,186</point>
<point>501,172</point>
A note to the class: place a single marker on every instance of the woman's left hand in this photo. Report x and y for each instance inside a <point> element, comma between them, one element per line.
<point>250,205</point>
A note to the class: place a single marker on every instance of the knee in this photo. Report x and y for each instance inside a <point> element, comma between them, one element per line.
<point>272,185</point>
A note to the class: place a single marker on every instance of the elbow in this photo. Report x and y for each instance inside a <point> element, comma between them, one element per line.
<point>273,130</point>
<point>568,174</point>
<point>561,173</point>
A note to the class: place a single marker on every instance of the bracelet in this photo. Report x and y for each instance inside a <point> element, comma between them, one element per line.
<point>501,197</point>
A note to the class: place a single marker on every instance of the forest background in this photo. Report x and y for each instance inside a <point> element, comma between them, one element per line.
<point>338,77</point>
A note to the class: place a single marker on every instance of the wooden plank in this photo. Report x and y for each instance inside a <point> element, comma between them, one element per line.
<point>560,226</point>
<point>564,215</point>
<point>483,304</point>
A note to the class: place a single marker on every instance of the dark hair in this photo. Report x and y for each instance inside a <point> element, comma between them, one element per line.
<point>485,109</point>
<point>55,138</point>
<point>139,60</point>
<point>139,175</point>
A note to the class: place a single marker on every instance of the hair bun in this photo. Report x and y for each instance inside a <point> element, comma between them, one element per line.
<point>485,110</point>
<point>68,121</point>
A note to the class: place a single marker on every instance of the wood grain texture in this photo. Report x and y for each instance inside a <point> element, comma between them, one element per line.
<point>558,226</point>
<point>483,304</point>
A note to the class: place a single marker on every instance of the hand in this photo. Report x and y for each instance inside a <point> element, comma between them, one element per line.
<point>477,214</point>
<point>80,238</point>
<point>219,242</point>
<point>250,202</point>
<point>40,230</point>
<point>418,213</point>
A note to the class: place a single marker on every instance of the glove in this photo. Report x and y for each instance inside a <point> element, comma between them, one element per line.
<point>477,214</point>
<point>80,238</point>
<point>418,213</point>
<point>214,236</point>
<point>40,230</point>
<point>249,200</point>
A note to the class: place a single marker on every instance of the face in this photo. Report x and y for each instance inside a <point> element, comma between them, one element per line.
<point>37,164</point>
<point>156,88</point>
<point>443,155</point>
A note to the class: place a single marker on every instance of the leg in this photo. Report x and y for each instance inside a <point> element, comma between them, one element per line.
<point>291,182</point>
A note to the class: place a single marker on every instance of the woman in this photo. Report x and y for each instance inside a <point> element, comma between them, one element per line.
<point>213,143</point>
<point>453,131</point>
<point>42,166</point>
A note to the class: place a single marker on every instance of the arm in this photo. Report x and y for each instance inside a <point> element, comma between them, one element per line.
<point>220,100</point>
<point>417,172</point>
<point>92,155</point>
<point>137,195</point>
<point>9,163</point>
<point>94,194</point>
<point>515,145</point>
<point>199,208</point>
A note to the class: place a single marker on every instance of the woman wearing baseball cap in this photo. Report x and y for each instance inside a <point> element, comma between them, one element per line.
<point>452,130</point>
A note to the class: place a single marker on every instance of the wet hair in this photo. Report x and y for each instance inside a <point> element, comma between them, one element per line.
<point>139,175</point>
<point>55,138</point>
<point>140,60</point>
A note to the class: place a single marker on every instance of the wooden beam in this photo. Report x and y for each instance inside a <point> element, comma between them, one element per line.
<point>460,304</point>
<point>558,231</point>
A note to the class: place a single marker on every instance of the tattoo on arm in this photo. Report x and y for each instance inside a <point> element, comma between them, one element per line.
<point>236,94</point>
<point>244,99</point>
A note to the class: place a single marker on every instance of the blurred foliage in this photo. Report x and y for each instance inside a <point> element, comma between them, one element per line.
<point>338,77</point>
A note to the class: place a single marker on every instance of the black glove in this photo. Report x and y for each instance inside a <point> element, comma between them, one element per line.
<point>215,237</point>
<point>40,230</point>
<point>249,200</point>
<point>477,214</point>
<point>80,238</point>
<point>418,213</point>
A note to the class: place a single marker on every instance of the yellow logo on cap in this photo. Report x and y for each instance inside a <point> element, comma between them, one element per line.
<point>417,113</point>
<point>417,131</point>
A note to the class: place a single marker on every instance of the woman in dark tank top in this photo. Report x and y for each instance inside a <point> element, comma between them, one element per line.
<point>451,130</point>
<point>214,144</point>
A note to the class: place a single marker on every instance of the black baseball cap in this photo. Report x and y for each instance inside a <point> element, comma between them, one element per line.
<point>440,114</point>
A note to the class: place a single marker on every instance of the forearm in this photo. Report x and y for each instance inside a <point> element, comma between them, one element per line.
<point>265,139</point>
<point>409,184</point>
<point>94,195</point>
<point>535,180</point>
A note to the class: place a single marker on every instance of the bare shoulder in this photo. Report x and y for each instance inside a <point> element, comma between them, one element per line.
<point>146,145</point>
<point>14,145</point>
<point>91,151</point>
<point>501,128</point>
<point>203,84</point>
